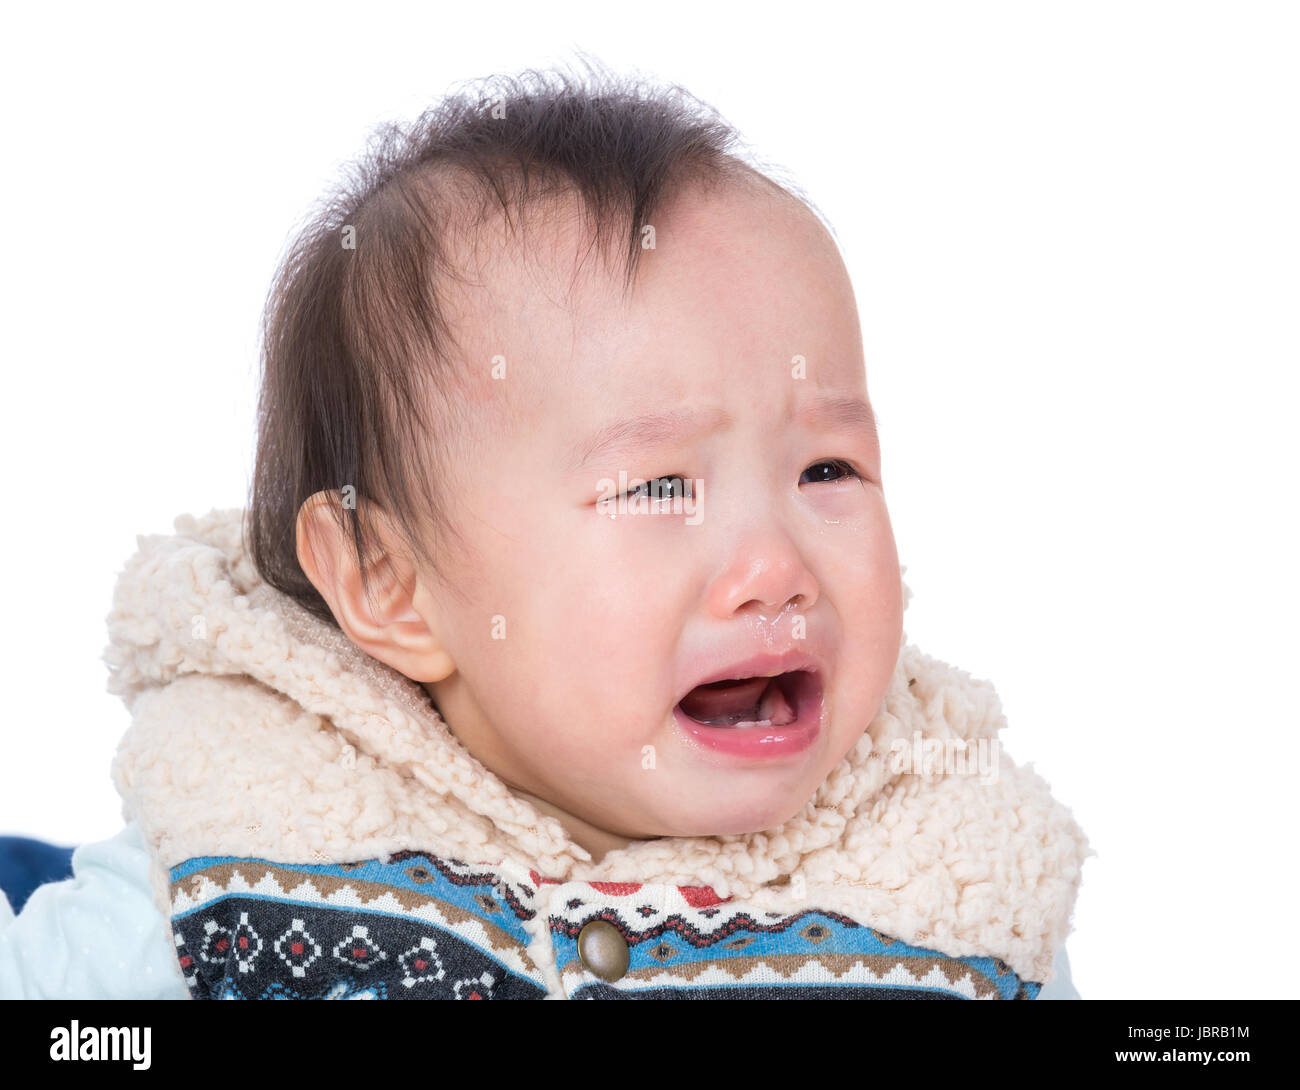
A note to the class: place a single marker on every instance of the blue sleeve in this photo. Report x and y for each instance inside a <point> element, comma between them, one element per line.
<point>96,935</point>
<point>1060,986</point>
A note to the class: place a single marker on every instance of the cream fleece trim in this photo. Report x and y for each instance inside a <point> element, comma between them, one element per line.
<point>260,731</point>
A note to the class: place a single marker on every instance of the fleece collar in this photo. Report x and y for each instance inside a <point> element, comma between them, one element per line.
<point>260,731</point>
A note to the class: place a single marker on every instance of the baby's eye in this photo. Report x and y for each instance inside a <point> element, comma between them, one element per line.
<point>663,488</point>
<point>678,487</point>
<point>832,464</point>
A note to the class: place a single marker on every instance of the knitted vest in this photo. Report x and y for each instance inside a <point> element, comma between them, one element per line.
<point>317,831</point>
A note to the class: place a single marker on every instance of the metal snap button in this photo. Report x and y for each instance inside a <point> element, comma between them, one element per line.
<point>603,950</point>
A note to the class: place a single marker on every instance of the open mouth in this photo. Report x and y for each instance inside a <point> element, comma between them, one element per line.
<point>754,702</point>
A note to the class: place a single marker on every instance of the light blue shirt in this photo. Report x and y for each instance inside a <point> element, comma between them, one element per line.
<point>98,934</point>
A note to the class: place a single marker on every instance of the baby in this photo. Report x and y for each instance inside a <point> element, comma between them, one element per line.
<point>571,646</point>
<point>564,628</point>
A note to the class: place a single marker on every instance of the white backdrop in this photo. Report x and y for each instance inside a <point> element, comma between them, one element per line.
<point>1074,234</point>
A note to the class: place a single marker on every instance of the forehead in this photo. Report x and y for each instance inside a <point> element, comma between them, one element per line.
<point>740,281</point>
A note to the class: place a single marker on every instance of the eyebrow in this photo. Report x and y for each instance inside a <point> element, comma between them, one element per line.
<point>834,413</point>
<point>648,430</point>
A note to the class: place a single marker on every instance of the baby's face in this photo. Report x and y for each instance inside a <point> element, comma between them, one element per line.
<point>582,633</point>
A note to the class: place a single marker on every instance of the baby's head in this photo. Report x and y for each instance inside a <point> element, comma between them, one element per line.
<point>513,316</point>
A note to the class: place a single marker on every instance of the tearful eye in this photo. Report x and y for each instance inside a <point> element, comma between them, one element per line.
<point>835,466</point>
<point>663,488</point>
<point>679,488</point>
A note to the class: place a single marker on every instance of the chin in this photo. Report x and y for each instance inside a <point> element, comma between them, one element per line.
<point>737,818</point>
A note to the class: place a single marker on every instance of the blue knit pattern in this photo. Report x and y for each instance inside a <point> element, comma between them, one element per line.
<point>417,926</point>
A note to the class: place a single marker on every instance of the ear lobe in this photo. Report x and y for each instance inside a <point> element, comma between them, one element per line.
<point>383,617</point>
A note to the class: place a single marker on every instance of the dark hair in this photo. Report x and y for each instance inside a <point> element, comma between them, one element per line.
<point>355,340</point>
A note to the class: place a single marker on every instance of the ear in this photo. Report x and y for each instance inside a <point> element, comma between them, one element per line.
<point>394,622</point>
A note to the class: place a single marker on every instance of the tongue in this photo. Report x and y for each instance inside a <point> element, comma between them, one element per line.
<point>757,700</point>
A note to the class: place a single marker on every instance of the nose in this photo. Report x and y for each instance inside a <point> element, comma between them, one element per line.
<point>767,575</point>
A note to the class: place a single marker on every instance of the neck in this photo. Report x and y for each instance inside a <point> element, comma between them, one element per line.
<point>595,840</point>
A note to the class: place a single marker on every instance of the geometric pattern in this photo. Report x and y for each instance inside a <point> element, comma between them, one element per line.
<point>686,943</point>
<point>408,927</point>
<point>416,926</point>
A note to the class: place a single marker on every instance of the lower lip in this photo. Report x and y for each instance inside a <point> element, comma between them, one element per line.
<point>759,742</point>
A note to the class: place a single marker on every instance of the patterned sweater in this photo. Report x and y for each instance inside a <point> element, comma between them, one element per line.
<point>315,830</point>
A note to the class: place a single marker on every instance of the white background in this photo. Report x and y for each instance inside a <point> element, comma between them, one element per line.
<point>1074,232</point>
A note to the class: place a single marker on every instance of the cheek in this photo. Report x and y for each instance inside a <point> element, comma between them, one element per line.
<point>865,585</point>
<point>613,654</point>
<point>589,649</point>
